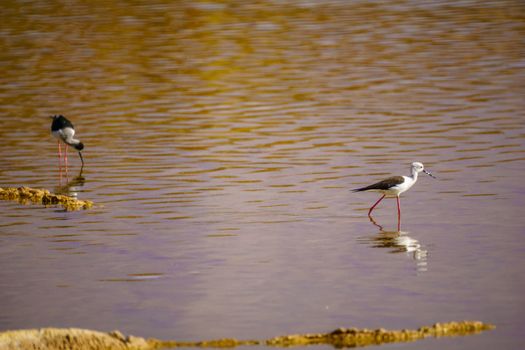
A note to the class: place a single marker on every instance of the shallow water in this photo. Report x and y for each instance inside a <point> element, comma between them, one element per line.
<point>221,143</point>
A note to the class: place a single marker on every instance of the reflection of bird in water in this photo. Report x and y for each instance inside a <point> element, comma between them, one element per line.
<point>72,186</point>
<point>398,242</point>
<point>395,185</point>
<point>64,131</point>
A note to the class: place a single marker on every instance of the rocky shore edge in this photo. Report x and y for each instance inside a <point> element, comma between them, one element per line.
<point>83,339</point>
<point>42,196</point>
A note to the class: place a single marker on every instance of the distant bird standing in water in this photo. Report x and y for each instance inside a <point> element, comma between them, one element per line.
<point>395,185</point>
<point>63,130</point>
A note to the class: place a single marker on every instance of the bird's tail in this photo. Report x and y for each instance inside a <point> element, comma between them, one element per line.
<point>359,189</point>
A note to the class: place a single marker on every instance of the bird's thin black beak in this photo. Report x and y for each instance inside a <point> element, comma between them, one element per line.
<point>81,159</point>
<point>429,174</point>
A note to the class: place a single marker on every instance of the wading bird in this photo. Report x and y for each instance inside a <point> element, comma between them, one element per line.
<point>63,130</point>
<point>395,185</point>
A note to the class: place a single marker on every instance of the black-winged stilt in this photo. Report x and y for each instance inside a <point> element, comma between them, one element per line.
<point>395,185</point>
<point>64,131</point>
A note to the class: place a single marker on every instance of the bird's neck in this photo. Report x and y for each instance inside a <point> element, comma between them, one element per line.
<point>414,174</point>
<point>72,141</point>
<point>75,144</point>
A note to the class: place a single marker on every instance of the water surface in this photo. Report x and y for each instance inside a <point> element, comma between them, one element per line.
<point>222,140</point>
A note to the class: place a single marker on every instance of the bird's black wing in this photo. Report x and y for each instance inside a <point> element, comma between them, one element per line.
<point>60,122</point>
<point>383,185</point>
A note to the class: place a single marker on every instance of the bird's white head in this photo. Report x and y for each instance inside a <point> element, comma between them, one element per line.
<point>418,167</point>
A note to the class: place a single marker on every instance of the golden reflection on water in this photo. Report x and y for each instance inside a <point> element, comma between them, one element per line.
<point>221,141</point>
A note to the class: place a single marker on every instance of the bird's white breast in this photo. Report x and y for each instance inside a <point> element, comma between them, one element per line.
<point>405,185</point>
<point>64,134</point>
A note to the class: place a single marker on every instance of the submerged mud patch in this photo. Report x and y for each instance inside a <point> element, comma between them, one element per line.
<point>27,195</point>
<point>81,339</point>
<point>353,337</point>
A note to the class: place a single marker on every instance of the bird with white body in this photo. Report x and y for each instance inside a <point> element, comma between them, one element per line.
<point>64,131</point>
<point>395,185</point>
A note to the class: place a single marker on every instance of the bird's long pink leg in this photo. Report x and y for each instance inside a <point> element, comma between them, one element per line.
<point>376,203</point>
<point>65,156</point>
<point>65,160</point>
<point>59,155</point>
<point>398,215</point>
<point>59,163</point>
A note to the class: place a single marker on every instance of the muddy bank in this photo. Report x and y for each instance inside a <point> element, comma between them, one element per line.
<point>81,339</point>
<point>27,195</point>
